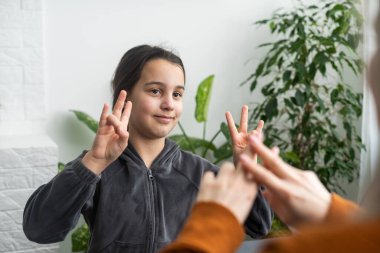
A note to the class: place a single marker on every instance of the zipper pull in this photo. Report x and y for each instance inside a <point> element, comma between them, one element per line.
<point>150,174</point>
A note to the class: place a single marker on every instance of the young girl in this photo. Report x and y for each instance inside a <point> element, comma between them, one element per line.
<point>134,187</point>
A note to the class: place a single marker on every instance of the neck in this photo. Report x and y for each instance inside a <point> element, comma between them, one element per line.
<point>148,149</point>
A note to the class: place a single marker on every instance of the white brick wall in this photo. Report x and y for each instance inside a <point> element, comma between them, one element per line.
<point>28,158</point>
<point>26,162</point>
<point>22,91</point>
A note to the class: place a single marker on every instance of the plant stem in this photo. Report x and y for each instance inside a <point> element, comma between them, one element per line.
<point>187,138</point>
<point>204,134</point>
<point>204,130</point>
<point>210,142</point>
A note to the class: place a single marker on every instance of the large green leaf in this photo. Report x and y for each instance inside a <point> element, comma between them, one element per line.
<point>202,99</point>
<point>226,131</point>
<point>80,238</point>
<point>87,120</point>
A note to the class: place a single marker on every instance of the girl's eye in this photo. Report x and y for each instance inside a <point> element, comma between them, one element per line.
<point>177,94</point>
<point>155,91</point>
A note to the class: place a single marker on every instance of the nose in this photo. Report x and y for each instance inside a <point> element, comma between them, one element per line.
<point>167,103</point>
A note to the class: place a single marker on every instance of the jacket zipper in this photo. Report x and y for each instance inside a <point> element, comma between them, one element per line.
<point>153,216</point>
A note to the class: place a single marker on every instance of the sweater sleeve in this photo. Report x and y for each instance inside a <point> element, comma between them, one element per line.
<point>349,237</point>
<point>210,228</point>
<point>204,233</point>
<point>341,210</point>
<point>54,208</point>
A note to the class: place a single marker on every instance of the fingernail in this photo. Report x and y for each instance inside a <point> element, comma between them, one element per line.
<point>253,138</point>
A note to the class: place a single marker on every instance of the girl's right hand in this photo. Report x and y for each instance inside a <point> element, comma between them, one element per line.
<point>112,136</point>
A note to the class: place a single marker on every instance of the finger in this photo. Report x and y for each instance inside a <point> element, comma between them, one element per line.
<point>119,105</point>
<point>261,175</point>
<point>114,122</point>
<point>244,119</point>
<point>123,141</point>
<point>231,125</point>
<point>103,115</point>
<point>268,195</point>
<point>226,173</point>
<point>257,134</point>
<point>272,161</point>
<point>208,178</point>
<point>126,114</point>
<point>122,131</point>
<point>119,128</point>
<point>252,154</point>
<point>260,126</point>
<point>275,150</point>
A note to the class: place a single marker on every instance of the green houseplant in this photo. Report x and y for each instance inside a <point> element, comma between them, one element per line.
<point>308,107</point>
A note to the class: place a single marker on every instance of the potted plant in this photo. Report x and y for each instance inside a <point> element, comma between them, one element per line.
<point>309,108</point>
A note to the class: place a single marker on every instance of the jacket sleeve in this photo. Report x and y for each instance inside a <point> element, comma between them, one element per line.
<point>54,208</point>
<point>259,221</point>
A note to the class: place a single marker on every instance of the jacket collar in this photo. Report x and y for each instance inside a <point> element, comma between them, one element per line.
<point>161,161</point>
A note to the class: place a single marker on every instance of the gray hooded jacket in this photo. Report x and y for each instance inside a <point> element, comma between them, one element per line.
<point>130,208</point>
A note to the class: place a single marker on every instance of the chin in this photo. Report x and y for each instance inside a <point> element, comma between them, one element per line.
<point>163,133</point>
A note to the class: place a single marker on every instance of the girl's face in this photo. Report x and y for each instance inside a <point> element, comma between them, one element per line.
<point>157,100</point>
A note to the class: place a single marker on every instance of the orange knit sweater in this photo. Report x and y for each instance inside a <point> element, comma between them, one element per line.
<point>212,228</point>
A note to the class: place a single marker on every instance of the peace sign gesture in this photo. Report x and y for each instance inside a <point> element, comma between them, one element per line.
<point>240,136</point>
<point>112,136</point>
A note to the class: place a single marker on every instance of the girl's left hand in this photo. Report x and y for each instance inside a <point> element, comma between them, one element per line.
<point>240,136</point>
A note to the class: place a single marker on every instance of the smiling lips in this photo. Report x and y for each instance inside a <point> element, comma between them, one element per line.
<point>164,119</point>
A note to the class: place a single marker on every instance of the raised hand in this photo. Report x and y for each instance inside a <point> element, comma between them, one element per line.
<point>231,188</point>
<point>296,196</point>
<point>112,136</point>
<point>240,136</point>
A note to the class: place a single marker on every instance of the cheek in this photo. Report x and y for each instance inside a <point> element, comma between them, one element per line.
<point>179,109</point>
<point>145,105</point>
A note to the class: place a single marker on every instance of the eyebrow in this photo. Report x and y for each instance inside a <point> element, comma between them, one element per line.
<point>163,84</point>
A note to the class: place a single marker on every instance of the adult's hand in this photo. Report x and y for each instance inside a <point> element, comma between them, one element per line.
<point>297,197</point>
<point>112,136</point>
<point>231,188</point>
<point>239,136</point>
